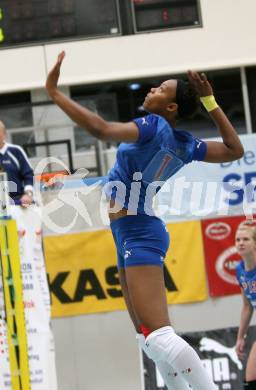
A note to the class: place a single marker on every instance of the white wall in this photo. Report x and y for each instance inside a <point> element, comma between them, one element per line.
<point>22,69</point>
<point>227,39</point>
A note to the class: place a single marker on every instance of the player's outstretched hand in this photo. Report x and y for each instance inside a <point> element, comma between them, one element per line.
<point>54,74</point>
<point>200,83</point>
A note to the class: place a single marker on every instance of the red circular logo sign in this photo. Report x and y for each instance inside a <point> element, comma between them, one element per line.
<point>226,265</point>
<point>218,230</point>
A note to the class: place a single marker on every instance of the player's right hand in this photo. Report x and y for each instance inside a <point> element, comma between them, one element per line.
<point>54,74</point>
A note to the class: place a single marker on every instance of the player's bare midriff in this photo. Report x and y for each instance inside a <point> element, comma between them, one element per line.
<point>121,212</point>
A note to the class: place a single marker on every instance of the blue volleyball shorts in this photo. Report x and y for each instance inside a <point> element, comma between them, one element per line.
<point>140,240</point>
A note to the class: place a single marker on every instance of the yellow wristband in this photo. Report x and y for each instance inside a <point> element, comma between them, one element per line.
<point>209,102</point>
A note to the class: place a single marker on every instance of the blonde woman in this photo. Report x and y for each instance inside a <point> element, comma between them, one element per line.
<point>246,276</point>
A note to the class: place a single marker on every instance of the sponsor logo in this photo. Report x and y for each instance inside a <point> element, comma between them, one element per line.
<point>207,344</point>
<point>226,264</point>
<point>88,283</point>
<point>198,144</point>
<point>219,368</point>
<point>127,254</point>
<point>144,122</point>
<point>218,230</point>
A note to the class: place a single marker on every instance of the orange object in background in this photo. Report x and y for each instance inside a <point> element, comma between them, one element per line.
<point>48,176</point>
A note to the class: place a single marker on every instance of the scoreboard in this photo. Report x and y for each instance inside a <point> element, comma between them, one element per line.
<point>158,15</point>
<point>24,22</point>
<point>35,21</point>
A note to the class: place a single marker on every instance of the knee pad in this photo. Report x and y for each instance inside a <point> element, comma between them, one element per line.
<point>169,375</point>
<point>141,341</point>
<point>164,344</point>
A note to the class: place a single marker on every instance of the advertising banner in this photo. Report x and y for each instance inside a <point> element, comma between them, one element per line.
<point>185,263</point>
<point>83,275</point>
<point>220,254</point>
<point>216,348</point>
<point>36,300</point>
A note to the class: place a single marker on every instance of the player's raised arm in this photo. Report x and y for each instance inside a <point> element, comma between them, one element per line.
<point>93,123</point>
<point>231,148</point>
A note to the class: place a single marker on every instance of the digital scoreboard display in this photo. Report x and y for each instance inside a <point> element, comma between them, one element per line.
<point>157,15</point>
<point>25,22</point>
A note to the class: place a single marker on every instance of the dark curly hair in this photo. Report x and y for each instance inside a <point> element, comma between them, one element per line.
<point>187,99</point>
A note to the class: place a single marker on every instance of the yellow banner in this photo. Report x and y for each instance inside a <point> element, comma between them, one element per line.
<point>185,263</point>
<point>84,279</point>
<point>14,307</point>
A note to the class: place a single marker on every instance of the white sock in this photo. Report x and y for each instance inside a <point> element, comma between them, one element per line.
<point>193,370</point>
<point>170,376</point>
<point>164,345</point>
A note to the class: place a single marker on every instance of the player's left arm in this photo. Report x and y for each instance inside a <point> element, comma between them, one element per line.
<point>231,148</point>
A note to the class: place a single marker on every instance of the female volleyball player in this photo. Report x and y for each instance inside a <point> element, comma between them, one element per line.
<point>246,276</point>
<point>151,152</point>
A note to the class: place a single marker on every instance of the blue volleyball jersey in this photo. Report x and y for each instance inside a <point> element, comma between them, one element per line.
<point>247,280</point>
<point>142,167</point>
<point>14,162</point>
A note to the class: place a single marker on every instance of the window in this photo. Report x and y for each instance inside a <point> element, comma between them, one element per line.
<point>16,110</point>
<point>103,103</point>
<point>251,84</point>
<point>16,114</point>
<point>24,137</point>
<point>228,92</point>
<point>129,96</point>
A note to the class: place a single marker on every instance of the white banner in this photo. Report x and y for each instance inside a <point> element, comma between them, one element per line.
<point>201,190</point>
<point>37,304</point>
